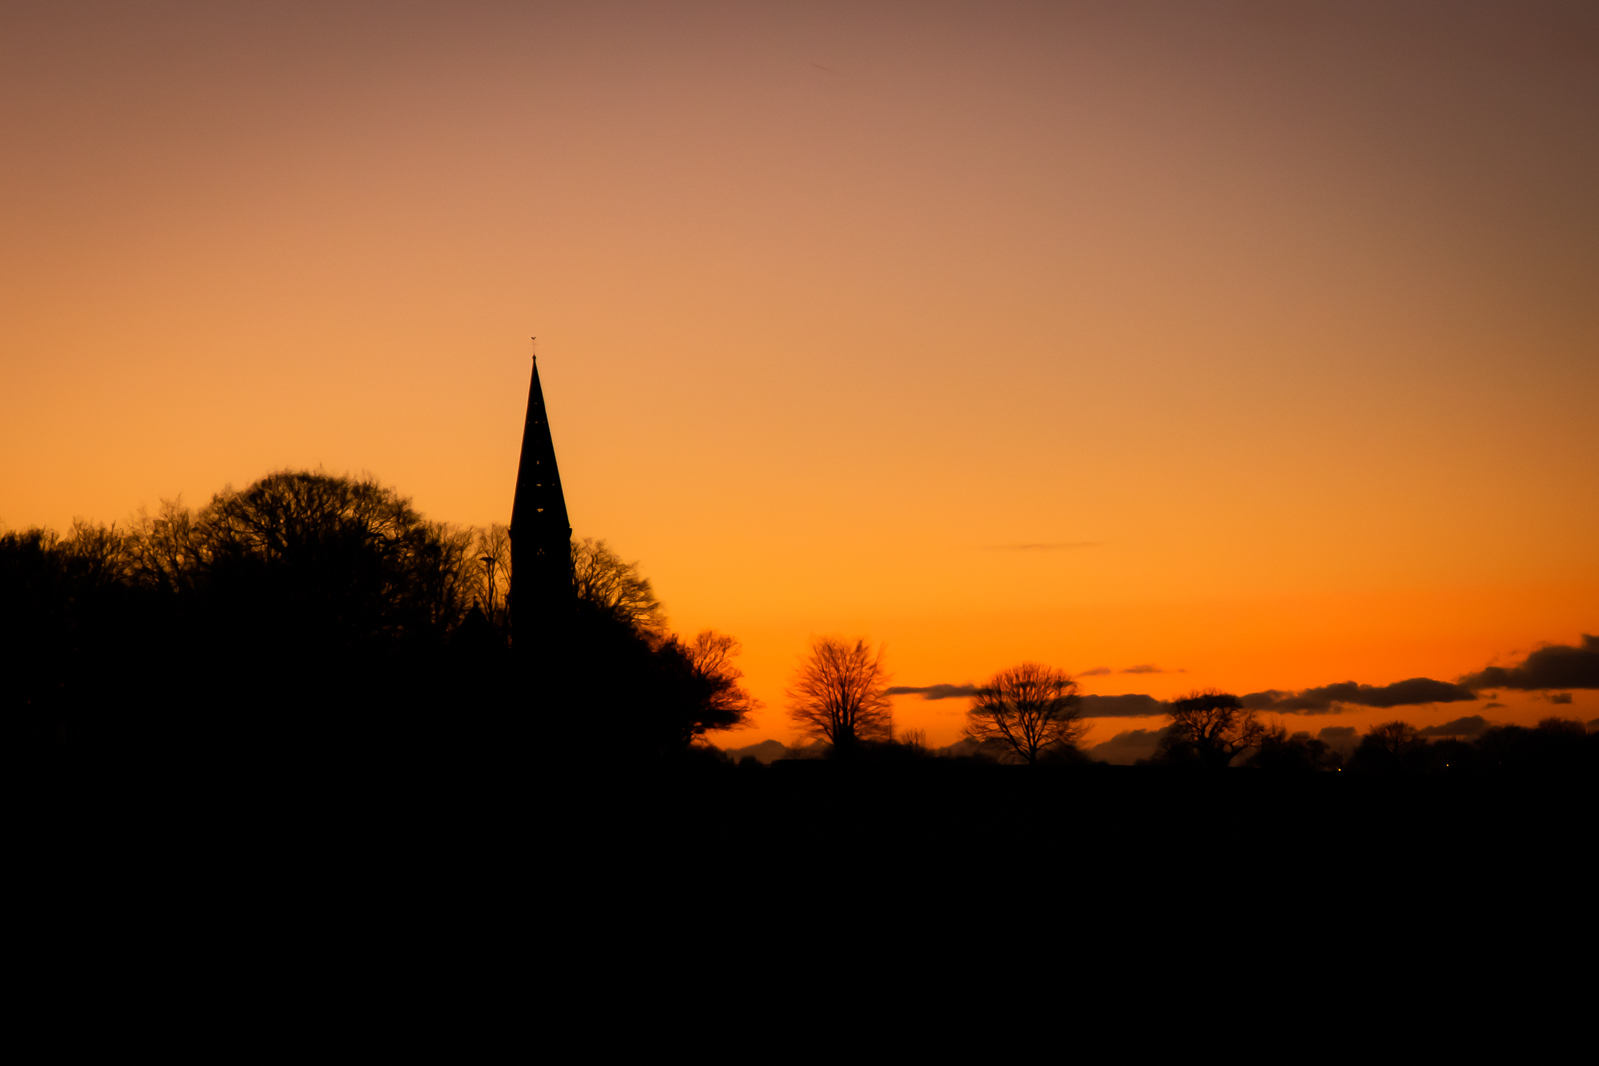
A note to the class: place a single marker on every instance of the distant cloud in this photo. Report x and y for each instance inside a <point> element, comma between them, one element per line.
<point>767,751</point>
<point>935,692</point>
<point>1042,546</point>
<point>1132,705</point>
<point>1558,697</point>
<point>1128,747</point>
<point>961,748</point>
<point>1552,666</point>
<point>1491,706</point>
<point>1343,739</point>
<point>1098,671</point>
<point>1150,668</point>
<point>1470,726</point>
<point>1322,700</point>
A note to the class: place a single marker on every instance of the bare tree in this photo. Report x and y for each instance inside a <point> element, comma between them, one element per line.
<point>489,571</point>
<point>1211,726</point>
<point>840,693</point>
<point>604,580</point>
<point>1397,739</point>
<point>102,551</point>
<point>601,577</point>
<point>167,550</point>
<point>709,695</point>
<point>711,654</point>
<point>1030,709</point>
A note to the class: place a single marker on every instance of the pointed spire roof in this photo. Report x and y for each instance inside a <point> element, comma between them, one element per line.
<point>539,509</point>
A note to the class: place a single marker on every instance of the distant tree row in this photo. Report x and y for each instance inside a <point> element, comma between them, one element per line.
<point>1213,729</point>
<point>1032,713</point>
<point>839,696</point>
<point>309,605</point>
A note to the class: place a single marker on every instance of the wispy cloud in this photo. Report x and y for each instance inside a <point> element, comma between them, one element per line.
<point>1142,668</point>
<point>1130,705</point>
<point>1042,546</point>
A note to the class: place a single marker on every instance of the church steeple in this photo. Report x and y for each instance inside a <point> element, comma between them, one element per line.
<point>541,534</point>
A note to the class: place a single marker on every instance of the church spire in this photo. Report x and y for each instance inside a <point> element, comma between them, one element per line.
<point>541,533</point>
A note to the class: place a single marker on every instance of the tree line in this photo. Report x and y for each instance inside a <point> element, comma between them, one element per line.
<point>315,606</point>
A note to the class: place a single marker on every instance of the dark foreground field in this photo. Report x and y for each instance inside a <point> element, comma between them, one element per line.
<point>635,907</point>
<point>769,856</point>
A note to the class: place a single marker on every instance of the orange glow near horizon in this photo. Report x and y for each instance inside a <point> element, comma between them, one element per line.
<point>1257,344</point>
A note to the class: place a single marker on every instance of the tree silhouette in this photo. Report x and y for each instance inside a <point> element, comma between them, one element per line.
<point>489,573</point>
<point>318,616</point>
<point>75,633</point>
<point>604,580</point>
<point>1280,752</point>
<point>1211,727</point>
<point>600,578</point>
<point>840,693</point>
<point>1031,709</point>
<point>726,702</point>
<point>1395,738</point>
<point>345,561</point>
<point>701,685</point>
<point>308,612</point>
<point>165,551</point>
<point>1388,747</point>
<point>38,594</point>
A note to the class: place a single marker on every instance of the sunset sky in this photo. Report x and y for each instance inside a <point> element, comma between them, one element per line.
<point>1253,342</point>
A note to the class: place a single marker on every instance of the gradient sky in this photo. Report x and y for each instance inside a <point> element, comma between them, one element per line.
<point>1255,340</point>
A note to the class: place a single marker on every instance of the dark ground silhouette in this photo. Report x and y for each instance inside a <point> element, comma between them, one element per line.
<point>287,712</point>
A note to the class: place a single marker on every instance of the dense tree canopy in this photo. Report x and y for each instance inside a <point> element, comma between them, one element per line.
<point>312,597</point>
<point>347,562</point>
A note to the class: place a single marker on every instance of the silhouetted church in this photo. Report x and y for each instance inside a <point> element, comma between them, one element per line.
<point>543,591</point>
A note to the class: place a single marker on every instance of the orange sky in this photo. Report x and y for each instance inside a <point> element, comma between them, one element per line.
<point>1256,340</point>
